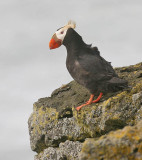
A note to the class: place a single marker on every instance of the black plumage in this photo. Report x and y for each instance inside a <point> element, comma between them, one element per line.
<point>88,68</point>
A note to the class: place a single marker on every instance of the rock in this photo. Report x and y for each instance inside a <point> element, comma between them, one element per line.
<point>55,120</point>
<point>67,150</point>
<point>125,144</point>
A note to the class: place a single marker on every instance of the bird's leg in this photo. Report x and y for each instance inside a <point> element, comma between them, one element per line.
<point>99,97</point>
<point>90,101</point>
<point>87,103</point>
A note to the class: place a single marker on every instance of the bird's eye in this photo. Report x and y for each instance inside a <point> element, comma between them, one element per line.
<point>62,32</point>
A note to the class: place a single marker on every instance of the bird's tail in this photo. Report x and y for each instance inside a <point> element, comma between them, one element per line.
<point>117,84</point>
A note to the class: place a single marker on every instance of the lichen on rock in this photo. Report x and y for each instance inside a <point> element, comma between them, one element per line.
<point>55,121</point>
<point>66,150</point>
<point>123,144</point>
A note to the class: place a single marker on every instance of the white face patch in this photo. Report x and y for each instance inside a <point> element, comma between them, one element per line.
<point>61,33</point>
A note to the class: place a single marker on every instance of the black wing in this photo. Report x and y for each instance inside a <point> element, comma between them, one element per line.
<point>96,66</point>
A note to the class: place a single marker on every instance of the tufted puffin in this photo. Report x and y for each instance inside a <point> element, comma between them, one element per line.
<point>85,64</point>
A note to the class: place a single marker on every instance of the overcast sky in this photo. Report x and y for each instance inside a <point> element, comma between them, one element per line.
<point>29,70</point>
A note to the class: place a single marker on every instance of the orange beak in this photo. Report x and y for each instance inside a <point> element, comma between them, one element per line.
<point>54,44</point>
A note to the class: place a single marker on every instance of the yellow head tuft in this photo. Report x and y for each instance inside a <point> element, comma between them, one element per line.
<point>72,24</point>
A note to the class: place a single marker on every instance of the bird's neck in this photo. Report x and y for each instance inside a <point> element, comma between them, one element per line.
<point>73,43</point>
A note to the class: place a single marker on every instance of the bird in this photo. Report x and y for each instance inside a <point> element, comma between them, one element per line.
<point>86,65</point>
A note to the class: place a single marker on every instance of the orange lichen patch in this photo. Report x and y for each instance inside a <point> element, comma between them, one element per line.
<point>120,144</point>
<point>128,132</point>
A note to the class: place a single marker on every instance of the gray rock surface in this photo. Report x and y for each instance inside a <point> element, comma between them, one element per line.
<point>66,150</point>
<point>124,144</point>
<point>55,120</point>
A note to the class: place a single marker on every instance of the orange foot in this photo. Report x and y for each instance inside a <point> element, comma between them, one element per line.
<point>90,101</point>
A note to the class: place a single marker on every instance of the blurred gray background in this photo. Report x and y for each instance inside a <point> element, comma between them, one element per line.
<point>29,70</point>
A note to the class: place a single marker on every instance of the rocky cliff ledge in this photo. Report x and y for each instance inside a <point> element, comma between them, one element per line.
<point>108,130</point>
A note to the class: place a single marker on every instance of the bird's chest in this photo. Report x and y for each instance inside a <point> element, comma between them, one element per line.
<point>76,71</point>
<point>73,67</point>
